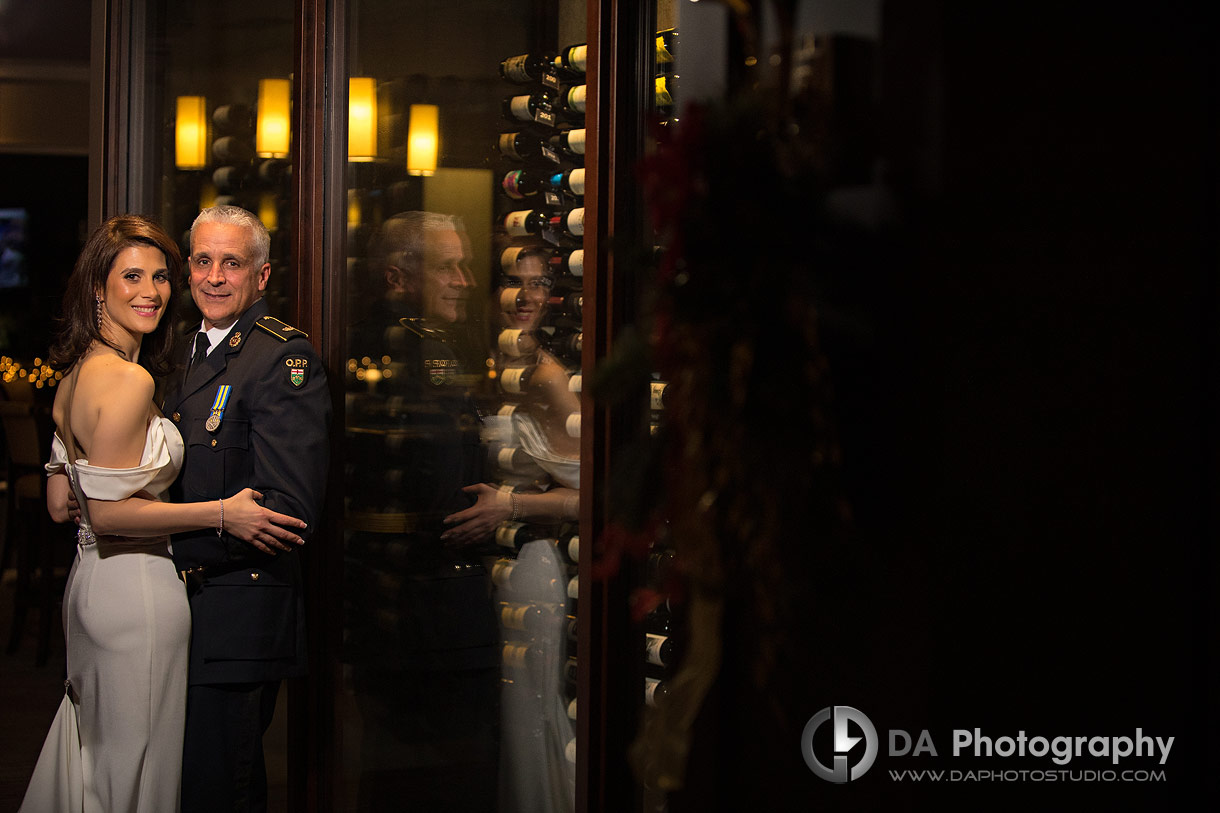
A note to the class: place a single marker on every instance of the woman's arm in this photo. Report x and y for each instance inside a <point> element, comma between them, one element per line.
<point>58,488</point>
<point>117,441</point>
<point>493,506</point>
<point>239,515</point>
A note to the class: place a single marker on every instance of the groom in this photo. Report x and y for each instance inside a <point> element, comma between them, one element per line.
<point>253,409</point>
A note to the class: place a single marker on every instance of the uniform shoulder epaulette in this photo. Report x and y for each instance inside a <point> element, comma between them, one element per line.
<point>417,326</point>
<point>280,330</point>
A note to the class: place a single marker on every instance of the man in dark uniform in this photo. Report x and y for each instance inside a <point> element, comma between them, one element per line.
<point>253,409</point>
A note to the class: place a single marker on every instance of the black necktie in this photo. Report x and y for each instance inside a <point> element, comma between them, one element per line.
<point>201,349</point>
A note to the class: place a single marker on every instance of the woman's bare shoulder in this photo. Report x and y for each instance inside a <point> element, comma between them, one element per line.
<point>106,379</point>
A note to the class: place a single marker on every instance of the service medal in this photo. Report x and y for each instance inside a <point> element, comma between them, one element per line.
<point>218,408</point>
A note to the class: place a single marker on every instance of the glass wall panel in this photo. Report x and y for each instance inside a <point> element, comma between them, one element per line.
<point>463,296</point>
<point>216,79</point>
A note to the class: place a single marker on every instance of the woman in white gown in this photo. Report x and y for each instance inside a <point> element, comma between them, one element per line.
<point>116,742</point>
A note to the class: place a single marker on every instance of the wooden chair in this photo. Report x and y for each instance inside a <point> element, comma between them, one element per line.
<point>39,546</point>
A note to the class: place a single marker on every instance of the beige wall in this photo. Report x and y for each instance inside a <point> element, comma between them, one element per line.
<point>44,108</point>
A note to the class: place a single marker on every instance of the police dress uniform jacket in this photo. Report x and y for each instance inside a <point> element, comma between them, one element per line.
<point>248,607</point>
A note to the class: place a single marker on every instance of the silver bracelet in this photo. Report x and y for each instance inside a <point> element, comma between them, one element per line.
<point>221,528</point>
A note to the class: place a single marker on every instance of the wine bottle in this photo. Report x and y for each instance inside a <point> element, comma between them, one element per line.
<point>520,146</point>
<point>657,391</point>
<point>517,655</point>
<point>666,47</point>
<point>570,306</point>
<point>574,383</point>
<point>228,179</point>
<point>570,144</point>
<point>571,672</point>
<point>661,620</point>
<point>664,99</point>
<point>567,343</point>
<point>273,170</point>
<point>568,262</point>
<point>502,574</point>
<point>508,258</point>
<point>573,594</point>
<point>654,691</point>
<point>510,255</point>
<point>573,59</point>
<point>659,565</point>
<point>514,535</point>
<point>526,222</point>
<point>232,150</point>
<point>521,183</point>
<point>516,380</point>
<point>538,107</point>
<point>570,223</point>
<point>233,119</point>
<point>522,617</point>
<point>572,425</point>
<point>515,460</point>
<point>572,103</point>
<point>571,181</point>
<point>526,68</point>
<point>571,548</point>
<point>658,649</point>
<point>516,342</point>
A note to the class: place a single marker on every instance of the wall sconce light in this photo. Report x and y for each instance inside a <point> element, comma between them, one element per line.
<point>422,139</point>
<point>361,119</point>
<point>272,135</point>
<point>191,133</point>
<point>268,211</point>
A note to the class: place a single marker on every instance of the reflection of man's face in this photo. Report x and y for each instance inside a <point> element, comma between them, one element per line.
<point>443,283</point>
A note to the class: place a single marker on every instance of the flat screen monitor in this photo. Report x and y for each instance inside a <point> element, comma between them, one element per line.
<point>14,227</point>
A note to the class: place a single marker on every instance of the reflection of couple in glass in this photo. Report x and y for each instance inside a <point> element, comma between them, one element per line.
<point>422,259</point>
<point>139,642</point>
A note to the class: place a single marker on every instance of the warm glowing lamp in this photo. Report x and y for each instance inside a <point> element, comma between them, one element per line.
<point>207,194</point>
<point>361,119</point>
<point>191,133</point>
<point>272,136</point>
<point>422,139</point>
<point>268,211</point>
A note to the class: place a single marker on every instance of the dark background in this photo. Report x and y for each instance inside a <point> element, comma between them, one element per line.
<point>1029,429</point>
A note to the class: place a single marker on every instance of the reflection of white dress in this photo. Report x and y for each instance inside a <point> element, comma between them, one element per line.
<point>116,742</point>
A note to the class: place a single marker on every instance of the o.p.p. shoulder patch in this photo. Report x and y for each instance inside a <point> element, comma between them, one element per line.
<point>298,370</point>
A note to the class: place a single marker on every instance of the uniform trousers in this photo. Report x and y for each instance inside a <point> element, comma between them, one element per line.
<point>222,758</point>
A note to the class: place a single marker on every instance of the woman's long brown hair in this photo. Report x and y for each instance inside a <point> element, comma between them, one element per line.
<point>78,326</point>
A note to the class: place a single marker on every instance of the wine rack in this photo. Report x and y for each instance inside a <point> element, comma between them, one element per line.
<point>533,437</point>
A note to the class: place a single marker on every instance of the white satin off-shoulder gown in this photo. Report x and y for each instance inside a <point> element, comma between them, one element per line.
<point>116,742</point>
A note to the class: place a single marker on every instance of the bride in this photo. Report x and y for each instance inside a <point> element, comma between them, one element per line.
<point>116,742</point>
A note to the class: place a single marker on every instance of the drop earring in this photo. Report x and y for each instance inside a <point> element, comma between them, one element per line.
<point>99,311</point>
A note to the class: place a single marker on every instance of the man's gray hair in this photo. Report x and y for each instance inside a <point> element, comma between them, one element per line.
<point>400,240</point>
<point>260,238</point>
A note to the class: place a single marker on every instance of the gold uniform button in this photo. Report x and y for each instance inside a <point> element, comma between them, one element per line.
<point>213,443</point>
<point>254,576</point>
<point>177,416</point>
